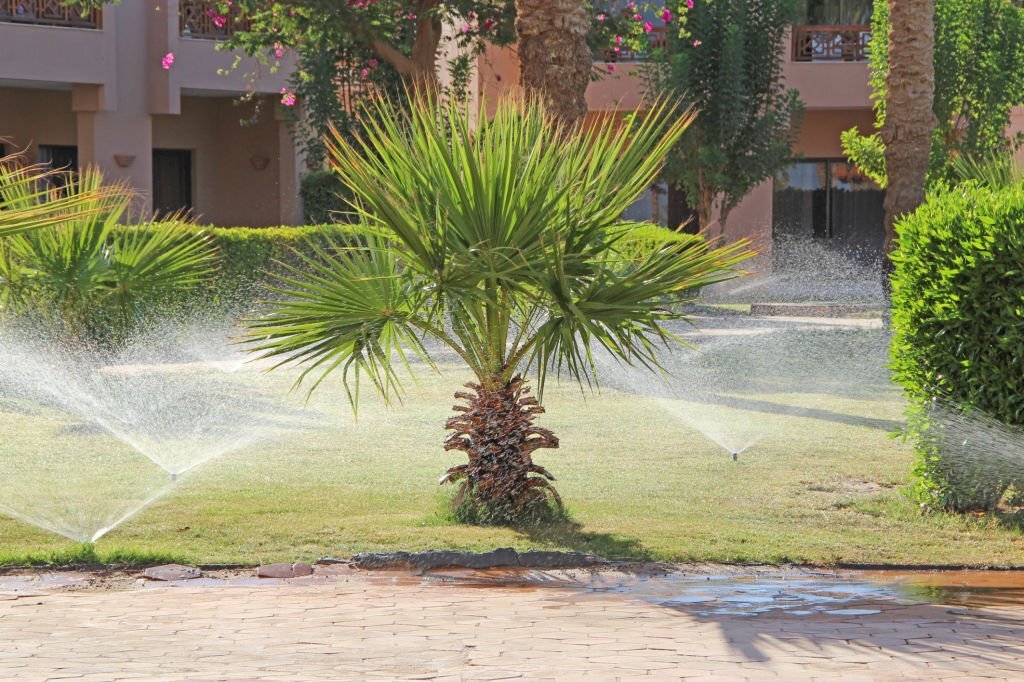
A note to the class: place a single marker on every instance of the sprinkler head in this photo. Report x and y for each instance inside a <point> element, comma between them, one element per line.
<point>174,477</point>
<point>735,456</point>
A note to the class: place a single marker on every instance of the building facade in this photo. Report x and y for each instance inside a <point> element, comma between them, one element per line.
<point>92,90</point>
<point>820,198</point>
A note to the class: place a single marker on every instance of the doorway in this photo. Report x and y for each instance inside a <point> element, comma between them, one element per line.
<point>172,181</point>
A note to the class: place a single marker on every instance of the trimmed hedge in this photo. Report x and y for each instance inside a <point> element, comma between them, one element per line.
<point>324,198</point>
<point>248,257</point>
<point>958,320</point>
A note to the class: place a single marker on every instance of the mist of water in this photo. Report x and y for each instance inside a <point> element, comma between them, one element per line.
<point>93,436</point>
<point>746,376</point>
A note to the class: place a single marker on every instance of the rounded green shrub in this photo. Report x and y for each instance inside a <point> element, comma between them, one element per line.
<point>958,332</point>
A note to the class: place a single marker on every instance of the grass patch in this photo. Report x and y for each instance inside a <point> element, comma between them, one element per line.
<point>85,555</point>
<point>822,485</point>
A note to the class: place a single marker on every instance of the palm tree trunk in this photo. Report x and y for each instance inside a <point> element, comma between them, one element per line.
<point>909,119</point>
<point>555,61</point>
<point>495,429</point>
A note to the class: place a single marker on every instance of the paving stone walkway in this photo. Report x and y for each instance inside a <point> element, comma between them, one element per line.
<point>352,627</point>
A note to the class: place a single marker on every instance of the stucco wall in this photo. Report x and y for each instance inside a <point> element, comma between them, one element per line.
<point>227,189</point>
<point>30,117</point>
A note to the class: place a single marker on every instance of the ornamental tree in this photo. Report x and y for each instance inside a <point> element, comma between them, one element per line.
<point>725,61</point>
<point>500,241</point>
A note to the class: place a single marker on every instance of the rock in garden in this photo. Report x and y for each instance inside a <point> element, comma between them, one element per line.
<point>283,570</point>
<point>171,572</point>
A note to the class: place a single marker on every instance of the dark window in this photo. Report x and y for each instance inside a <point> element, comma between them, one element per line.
<point>831,202</point>
<point>59,156</point>
<point>172,180</point>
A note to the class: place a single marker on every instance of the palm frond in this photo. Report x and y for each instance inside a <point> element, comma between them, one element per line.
<point>349,309</point>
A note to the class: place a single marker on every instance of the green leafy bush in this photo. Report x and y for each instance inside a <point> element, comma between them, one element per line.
<point>958,318</point>
<point>248,258</point>
<point>84,280</point>
<point>324,198</point>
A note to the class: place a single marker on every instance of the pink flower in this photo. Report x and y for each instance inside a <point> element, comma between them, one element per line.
<point>278,50</point>
<point>696,43</point>
<point>666,15</point>
<point>689,4</point>
<point>611,68</point>
<point>631,5</point>
<point>466,28</point>
<point>618,39</point>
<point>637,17</point>
<point>168,61</point>
<point>647,27</point>
<point>410,16</point>
<point>488,24</point>
<point>364,73</point>
<point>372,63</point>
<point>601,16</point>
<point>287,97</point>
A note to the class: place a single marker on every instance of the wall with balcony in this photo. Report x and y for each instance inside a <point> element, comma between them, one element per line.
<point>827,64</point>
<point>45,44</point>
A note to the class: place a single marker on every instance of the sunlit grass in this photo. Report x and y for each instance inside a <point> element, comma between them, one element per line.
<point>821,487</point>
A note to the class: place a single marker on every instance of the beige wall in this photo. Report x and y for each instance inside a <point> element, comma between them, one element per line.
<point>29,118</point>
<point>227,188</point>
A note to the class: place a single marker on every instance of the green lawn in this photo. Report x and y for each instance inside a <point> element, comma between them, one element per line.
<point>820,486</point>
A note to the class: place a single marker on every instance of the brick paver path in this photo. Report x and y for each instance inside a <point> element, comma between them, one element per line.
<point>357,628</point>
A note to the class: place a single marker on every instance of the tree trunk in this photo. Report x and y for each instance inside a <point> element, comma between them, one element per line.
<point>496,432</point>
<point>555,61</point>
<point>909,117</point>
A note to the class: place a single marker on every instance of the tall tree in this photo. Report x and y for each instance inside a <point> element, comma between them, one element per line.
<point>978,62</point>
<point>556,60</point>
<point>910,120</point>
<point>727,65</point>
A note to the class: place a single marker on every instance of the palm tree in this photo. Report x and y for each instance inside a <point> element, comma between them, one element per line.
<point>910,119</point>
<point>76,272</point>
<point>555,60</point>
<point>504,244</point>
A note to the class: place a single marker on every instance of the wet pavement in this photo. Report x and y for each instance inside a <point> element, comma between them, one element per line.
<point>728,623</point>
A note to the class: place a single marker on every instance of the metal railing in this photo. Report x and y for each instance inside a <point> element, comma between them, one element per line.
<point>204,21</point>
<point>831,43</point>
<point>48,13</point>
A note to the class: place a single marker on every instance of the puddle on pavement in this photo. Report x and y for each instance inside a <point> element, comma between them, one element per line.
<point>710,591</point>
<point>794,592</point>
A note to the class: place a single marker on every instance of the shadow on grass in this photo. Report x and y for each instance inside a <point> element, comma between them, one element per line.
<point>571,535</point>
<point>768,407</point>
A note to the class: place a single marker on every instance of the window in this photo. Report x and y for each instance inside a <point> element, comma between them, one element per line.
<point>59,156</point>
<point>831,202</point>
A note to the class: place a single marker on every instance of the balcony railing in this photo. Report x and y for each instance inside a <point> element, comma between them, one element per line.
<point>48,13</point>
<point>657,40</point>
<point>203,20</point>
<point>831,43</point>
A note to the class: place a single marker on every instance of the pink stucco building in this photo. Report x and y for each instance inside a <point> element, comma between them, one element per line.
<point>82,90</point>
<point>78,90</point>
<point>820,197</point>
